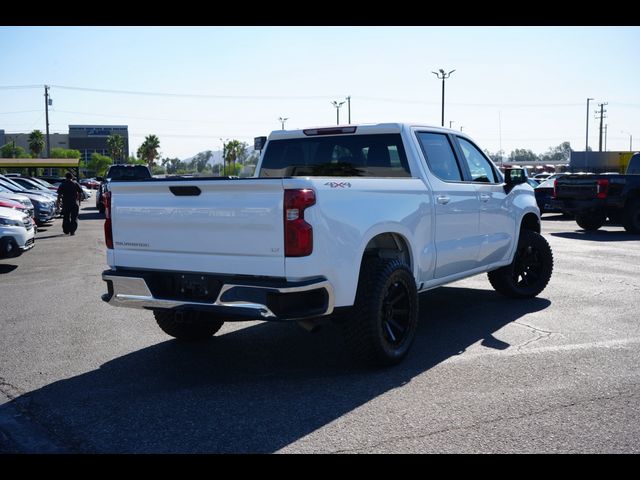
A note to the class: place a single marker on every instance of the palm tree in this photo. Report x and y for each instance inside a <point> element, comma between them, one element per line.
<point>149,149</point>
<point>115,143</point>
<point>36,143</point>
<point>232,151</point>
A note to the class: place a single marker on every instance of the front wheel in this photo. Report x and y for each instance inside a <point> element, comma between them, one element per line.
<point>530,270</point>
<point>383,322</point>
<point>188,325</point>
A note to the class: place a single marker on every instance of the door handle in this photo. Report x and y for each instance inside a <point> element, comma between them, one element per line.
<point>484,197</point>
<point>443,199</point>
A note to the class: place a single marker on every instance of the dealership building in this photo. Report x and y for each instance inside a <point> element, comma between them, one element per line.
<point>90,139</point>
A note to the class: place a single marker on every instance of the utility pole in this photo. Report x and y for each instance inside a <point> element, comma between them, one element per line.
<point>630,140</point>
<point>282,120</point>
<point>47,102</point>
<point>586,146</point>
<point>337,105</point>
<point>601,113</point>
<point>443,76</point>
<point>349,108</point>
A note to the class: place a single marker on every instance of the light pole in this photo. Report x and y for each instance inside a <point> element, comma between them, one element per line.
<point>47,102</point>
<point>282,120</point>
<point>443,76</point>
<point>337,104</point>
<point>450,122</point>
<point>349,108</point>
<point>630,140</point>
<point>461,127</point>
<point>586,147</point>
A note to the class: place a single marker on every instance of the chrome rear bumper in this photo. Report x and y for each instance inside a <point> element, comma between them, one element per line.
<point>235,300</point>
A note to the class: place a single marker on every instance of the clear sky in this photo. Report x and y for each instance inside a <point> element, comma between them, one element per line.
<point>513,87</point>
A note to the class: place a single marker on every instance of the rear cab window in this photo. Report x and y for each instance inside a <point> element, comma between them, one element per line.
<point>380,155</point>
<point>133,172</point>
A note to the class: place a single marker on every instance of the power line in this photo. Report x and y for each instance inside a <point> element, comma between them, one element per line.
<point>158,119</point>
<point>19,111</point>
<point>18,87</point>
<point>194,95</point>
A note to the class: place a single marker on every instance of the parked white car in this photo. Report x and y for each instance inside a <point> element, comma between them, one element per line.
<point>16,232</point>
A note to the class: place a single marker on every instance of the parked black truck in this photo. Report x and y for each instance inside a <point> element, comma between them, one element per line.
<point>594,198</point>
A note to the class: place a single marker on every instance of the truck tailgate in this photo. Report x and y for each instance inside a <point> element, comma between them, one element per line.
<point>216,226</point>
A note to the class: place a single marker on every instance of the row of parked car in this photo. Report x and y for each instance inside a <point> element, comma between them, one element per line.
<point>26,203</point>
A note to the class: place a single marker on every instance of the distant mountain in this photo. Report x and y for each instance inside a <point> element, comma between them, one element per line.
<point>217,156</point>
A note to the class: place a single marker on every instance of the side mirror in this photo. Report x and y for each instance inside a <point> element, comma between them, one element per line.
<point>258,143</point>
<point>513,177</point>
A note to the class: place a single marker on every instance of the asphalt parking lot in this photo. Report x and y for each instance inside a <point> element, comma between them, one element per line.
<point>555,374</point>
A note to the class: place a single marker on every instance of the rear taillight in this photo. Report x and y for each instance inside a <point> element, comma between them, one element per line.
<point>298,234</point>
<point>555,189</point>
<point>108,234</point>
<point>602,188</point>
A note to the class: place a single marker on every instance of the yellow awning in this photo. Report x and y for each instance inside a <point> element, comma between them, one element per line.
<point>39,162</point>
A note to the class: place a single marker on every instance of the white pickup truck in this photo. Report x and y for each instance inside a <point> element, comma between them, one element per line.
<point>350,221</point>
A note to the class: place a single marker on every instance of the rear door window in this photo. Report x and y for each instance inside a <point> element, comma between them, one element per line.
<point>440,157</point>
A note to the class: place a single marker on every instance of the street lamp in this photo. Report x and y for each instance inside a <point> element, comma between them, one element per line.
<point>450,122</point>
<point>282,120</point>
<point>443,76</point>
<point>337,105</point>
<point>630,140</point>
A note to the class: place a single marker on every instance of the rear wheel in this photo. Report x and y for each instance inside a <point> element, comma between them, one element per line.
<point>190,325</point>
<point>631,217</point>
<point>530,270</point>
<point>384,319</point>
<point>591,221</point>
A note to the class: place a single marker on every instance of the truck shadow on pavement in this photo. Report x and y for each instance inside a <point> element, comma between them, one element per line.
<point>255,389</point>
<point>599,235</point>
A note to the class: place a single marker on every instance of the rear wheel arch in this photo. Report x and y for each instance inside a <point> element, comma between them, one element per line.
<point>389,245</point>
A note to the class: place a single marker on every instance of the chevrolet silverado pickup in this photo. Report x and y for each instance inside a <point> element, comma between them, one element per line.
<point>350,222</point>
<point>594,198</point>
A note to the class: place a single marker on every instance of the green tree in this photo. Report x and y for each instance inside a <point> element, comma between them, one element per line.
<point>98,164</point>
<point>522,155</point>
<point>115,144</point>
<point>232,151</point>
<point>11,151</point>
<point>561,153</point>
<point>36,143</point>
<point>64,153</point>
<point>149,149</point>
<point>201,160</point>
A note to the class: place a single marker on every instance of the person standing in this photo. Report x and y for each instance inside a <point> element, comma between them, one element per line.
<point>70,194</point>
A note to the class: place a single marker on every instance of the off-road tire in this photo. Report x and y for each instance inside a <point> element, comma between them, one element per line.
<point>530,270</point>
<point>381,327</point>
